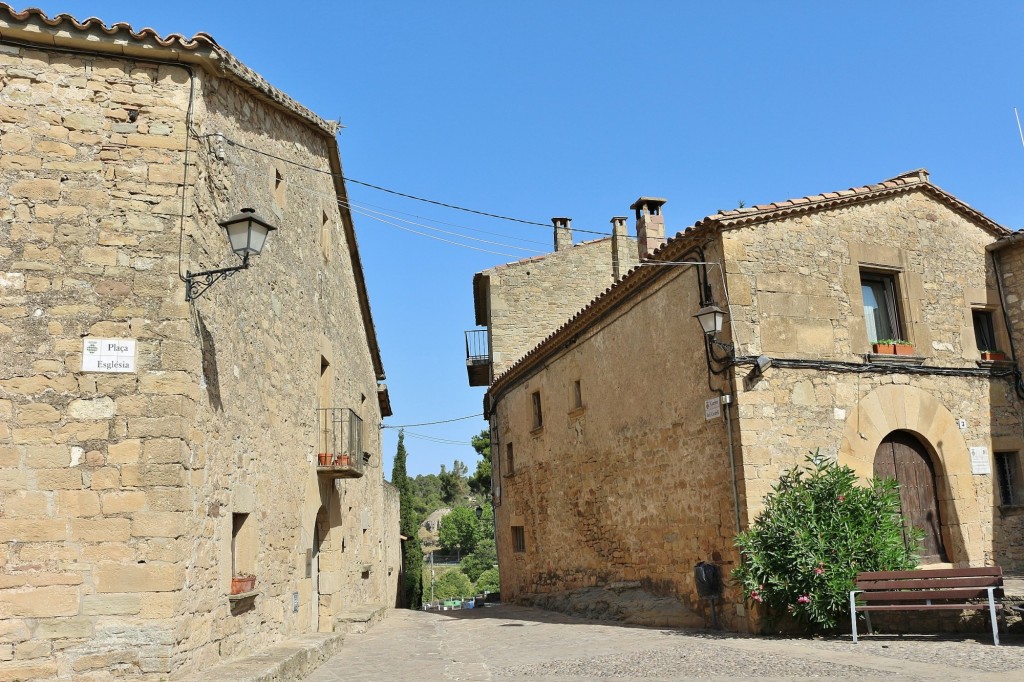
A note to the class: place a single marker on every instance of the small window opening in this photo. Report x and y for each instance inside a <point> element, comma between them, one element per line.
<point>243,545</point>
<point>510,462</point>
<point>1010,478</point>
<point>984,330</point>
<point>325,235</point>
<point>538,412</point>
<point>881,312</point>
<point>518,539</point>
<point>577,395</point>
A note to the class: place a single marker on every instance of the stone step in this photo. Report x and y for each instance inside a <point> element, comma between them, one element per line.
<point>295,658</point>
<point>359,619</point>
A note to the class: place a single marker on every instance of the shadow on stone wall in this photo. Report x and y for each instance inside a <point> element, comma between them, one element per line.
<point>209,351</point>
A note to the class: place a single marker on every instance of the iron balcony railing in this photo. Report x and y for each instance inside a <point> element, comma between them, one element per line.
<point>478,357</point>
<point>476,346</point>
<point>340,442</point>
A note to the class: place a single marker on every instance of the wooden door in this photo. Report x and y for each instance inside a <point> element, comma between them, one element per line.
<point>901,456</point>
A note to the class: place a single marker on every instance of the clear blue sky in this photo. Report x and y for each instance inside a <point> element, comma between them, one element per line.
<point>537,109</point>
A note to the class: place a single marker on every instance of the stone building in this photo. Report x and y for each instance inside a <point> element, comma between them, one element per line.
<point>520,303</point>
<point>132,488</point>
<point>630,445</point>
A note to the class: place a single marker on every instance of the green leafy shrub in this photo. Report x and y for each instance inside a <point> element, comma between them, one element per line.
<point>819,529</point>
<point>452,584</point>
<point>488,581</point>
<point>483,557</point>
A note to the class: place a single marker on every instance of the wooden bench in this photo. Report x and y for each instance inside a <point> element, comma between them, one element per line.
<point>928,590</point>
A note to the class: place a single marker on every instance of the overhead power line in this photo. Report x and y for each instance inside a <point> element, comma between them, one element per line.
<point>392,191</point>
<point>443,421</point>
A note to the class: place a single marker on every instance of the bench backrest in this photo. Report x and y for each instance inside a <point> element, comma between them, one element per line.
<point>930,584</point>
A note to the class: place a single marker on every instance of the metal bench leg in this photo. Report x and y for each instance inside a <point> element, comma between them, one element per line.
<point>853,614</point>
<point>992,615</point>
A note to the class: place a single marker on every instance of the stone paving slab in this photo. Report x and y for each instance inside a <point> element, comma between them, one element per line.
<point>507,642</point>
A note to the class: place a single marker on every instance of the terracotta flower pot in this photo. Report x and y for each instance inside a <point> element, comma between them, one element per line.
<point>903,349</point>
<point>324,458</point>
<point>242,583</point>
<point>993,355</point>
<point>344,460</point>
<point>883,348</point>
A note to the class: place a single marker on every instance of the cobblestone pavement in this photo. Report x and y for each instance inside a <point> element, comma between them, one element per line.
<point>514,643</point>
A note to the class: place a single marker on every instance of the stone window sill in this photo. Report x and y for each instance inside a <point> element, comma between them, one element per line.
<point>995,363</point>
<point>577,412</point>
<point>1011,510</point>
<point>537,431</point>
<point>244,595</point>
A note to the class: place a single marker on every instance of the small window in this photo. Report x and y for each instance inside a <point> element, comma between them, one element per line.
<point>577,395</point>
<point>984,330</point>
<point>538,413</point>
<point>1011,480</point>
<point>881,312</point>
<point>510,462</point>
<point>279,187</point>
<point>518,539</point>
<point>243,545</point>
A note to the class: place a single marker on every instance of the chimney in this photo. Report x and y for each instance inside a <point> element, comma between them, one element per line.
<point>650,224</point>
<point>620,248</point>
<point>563,233</point>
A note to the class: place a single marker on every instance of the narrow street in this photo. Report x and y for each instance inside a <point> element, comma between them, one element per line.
<point>516,643</point>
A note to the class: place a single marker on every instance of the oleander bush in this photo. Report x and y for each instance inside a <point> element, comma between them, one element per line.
<point>818,529</point>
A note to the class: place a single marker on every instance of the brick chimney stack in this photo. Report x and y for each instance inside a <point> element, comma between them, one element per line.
<point>620,248</point>
<point>650,224</point>
<point>563,233</point>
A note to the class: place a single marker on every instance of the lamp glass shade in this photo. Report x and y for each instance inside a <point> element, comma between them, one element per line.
<point>710,318</point>
<point>247,232</point>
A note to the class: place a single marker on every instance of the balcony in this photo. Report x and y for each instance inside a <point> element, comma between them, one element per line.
<point>340,443</point>
<point>478,357</point>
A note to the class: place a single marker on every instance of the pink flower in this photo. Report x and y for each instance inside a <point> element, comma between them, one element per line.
<point>756,596</point>
<point>841,498</point>
<point>803,599</point>
<point>819,571</point>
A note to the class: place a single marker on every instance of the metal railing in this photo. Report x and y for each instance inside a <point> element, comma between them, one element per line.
<point>340,439</point>
<point>476,346</point>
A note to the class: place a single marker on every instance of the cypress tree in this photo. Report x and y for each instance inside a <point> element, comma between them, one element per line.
<point>412,559</point>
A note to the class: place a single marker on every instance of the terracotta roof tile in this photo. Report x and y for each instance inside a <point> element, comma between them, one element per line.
<point>170,40</point>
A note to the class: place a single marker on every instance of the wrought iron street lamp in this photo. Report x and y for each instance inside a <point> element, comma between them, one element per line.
<point>247,233</point>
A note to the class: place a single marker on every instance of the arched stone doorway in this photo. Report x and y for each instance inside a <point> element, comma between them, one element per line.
<point>901,456</point>
<point>895,407</point>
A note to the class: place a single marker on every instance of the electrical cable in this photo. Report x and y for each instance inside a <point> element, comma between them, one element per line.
<point>440,441</point>
<point>355,209</point>
<point>346,178</point>
<point>443,421</point>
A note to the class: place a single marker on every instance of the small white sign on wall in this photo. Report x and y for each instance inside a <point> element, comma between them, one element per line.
<point>108,355</point>
<point>712,409</point>
<point>979,461</point>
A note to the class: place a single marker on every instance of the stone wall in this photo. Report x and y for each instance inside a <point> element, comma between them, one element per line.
<point>795,293</point>
<point>117,490</point>
<point>529,299</point>
<point>629,486</point>
<point>1008,521</point>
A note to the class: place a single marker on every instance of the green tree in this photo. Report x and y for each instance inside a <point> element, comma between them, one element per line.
<point>485,556</point>
<point>819,529</point>
<point>480,481</point>
<point>452,584</point>
<point>412,559</point>
<point>488,581</point>
<point>460,530</point>
<point>453,483</point>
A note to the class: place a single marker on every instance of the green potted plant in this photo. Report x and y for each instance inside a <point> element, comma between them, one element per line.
<point>993,355</point>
